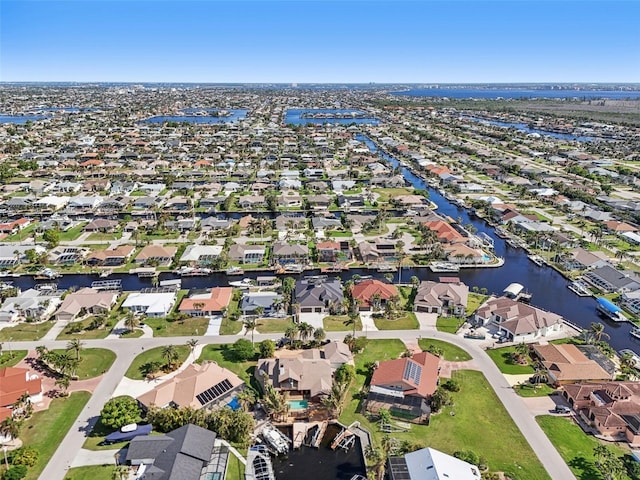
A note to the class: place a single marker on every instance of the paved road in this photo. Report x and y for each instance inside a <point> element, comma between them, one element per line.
<point>127,349</point>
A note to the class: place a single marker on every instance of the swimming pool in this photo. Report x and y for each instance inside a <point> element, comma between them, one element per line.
<point>298,404</point>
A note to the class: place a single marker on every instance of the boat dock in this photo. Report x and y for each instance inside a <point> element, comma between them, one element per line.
<point>107,285</point>
<point>259,465</point>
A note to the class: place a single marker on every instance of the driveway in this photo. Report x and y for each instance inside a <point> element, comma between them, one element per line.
<point>368,325</point>
<point>214,325</point>
<point>313,318</point>
<point>427,321</point>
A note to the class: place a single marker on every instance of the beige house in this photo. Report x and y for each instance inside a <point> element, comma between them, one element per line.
<point>156,253</point>
<point>85,301</point>
<point>441,298</point>
<point>197,386</point>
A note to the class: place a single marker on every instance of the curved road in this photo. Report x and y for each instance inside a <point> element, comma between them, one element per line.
<point>127,349</point>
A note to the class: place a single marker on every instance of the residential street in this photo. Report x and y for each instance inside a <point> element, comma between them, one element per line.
<point>127,349</point>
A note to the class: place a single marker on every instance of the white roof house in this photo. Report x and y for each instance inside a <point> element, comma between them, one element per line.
<point>431,464</point>
<point>150,304</point>
<point>31,303</point>
<point>198,253</point>
<point>54,202</point>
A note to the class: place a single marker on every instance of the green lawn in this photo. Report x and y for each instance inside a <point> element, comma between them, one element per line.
<point>153,355</point>
<point>11,358</point>
<point>406,322</point>
<point>386,193</point>
<point>575,446</point>
<point>529,390</point>
<point>94,472</point>
<point>132,334</point>
<point>450,352</point>
<point>191,327</point>
<point>100,236</point>
<point>93,362</point>
<point>474,301</point>
<point>273,325</point>
<point>25,331</point>
<point>86,334</point>
<point>235,468</point>
<point>336,323</point>
<point>221,354</point>
<point>502,358</point>
<point>73,233</point>
<point>230,327</point>
<point>449,324</point>
<point>46,429</point>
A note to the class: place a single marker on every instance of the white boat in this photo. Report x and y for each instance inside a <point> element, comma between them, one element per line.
<point>47,274</point>
<point>579,289</point>
<point>294,268</point>
<point>244,283</point>
<point>537,259</point>
<point>234,271</point>
<point>105,273</point>
<point>501,232</point>
<point>385,267</point>
<point>193,271</point>
<point>635,332</point>
<point>442,267</point>
<point>632,354</point>
<point>275,439</point>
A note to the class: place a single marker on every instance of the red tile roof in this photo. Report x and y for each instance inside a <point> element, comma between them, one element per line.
<point>14,382</point>
<point>368,288</point>
<point>392,373</point>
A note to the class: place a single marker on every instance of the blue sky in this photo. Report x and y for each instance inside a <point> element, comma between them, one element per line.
<point>320,41</point>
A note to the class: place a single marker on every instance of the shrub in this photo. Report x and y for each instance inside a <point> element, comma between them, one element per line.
<point>451,385</point>
<point>27,456</point>
<point>15,472</point>
<point>120,411</point>
<point>243,349</point>
<point>468,456</point>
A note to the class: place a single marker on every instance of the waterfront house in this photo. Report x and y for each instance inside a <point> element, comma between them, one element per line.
<point>611,408</point>
<point>319,294</point>
<point>85,301</point>
<point>14,226</point>
<point>214,223</point>
<point>430,464</point>
<point>101,225</point>
<point>12,255</point>
<point>378,251</point>
<point>567,364</point>
<point>111,257</point>
<point>445,232</point>
<point>322,223</point>
<point>197,386</point>
<point>517,321</point>
<point>14,383</point>
<point>330,251</point>
<point>291,221</point>
<point>156,304</point>
<point>442,298</point>
<point>182,454</point>
<point>247,254</point>
<point>283,253</point>
<point>156,254</point>
<point>269,302</point>
<point>67,255</point>
<point>201,254</point>
<point>608,279</point>
<point>214,302</point>
<point>581,259</point>
<point>37,305</point>
<point>373,294</point>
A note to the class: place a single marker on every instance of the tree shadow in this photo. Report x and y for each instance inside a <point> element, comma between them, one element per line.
<point>586,467</point>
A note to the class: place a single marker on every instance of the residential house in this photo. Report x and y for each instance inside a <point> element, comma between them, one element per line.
<point>404,386</point>
<point>609,279</point>
<point>12,255</point>
<point>251,201</point>
<point>378,251</point>
<point>283,253</point>
<point>156,254</point>
<point>611,408</point>
<point>101,225</point>
<point>67,255</point>
<point>269,302</point>
<point>330,251</point>
<point>292,221</point>
<point>213,223</point>
<point>445,232</point>
<point>248,254</point>
<point>197,386</point>
<point>214,302</point>
<point>156,304</point>
<point>319,294</point>
<point>517,321</point>
<point>186,453</point>
<point>430,464</point>
<point>442,298</point>
<point>201,254</point>
<point>14,226</point>
<point>322,223</point>
<point>14,383</point>
<point>30,304</point>
<point>85,301</point>
<point>567,364</point>
<point>289,200</point>
<point>581,259</point>
<point>373,294</point>
<point>111,257</point>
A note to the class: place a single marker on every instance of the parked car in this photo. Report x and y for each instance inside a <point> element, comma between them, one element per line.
<point>562,409</point>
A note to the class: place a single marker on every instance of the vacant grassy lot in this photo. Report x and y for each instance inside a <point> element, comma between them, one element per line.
<point>502,358</point>
<point>11,358</point>
<point>272,325</point>
<point>406,322</point>
<point>73,233</point>
<point>230,327</point>
<point>93,362</point>
<point>575,446</point>
<point>529,390</point>
<point>154,355</point>
<point>25,331</point>
<point>474,301</point>
<point>449,351</point>
<point>449,324</point>
<point>336,323</point>
<point>45,430</point>
<point>181,328</point>
<point>222,355</point>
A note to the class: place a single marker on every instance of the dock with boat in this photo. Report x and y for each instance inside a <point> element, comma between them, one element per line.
<point>107,284</point>
<point>537,259</point>
<point>444,267</point>
<point>610,310</point>
<point>517,292</point>
<point>579,288</point>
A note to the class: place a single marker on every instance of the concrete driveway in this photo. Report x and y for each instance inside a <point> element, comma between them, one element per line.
<point>427,321</point>
<point>313,318</point>
<point>214,325</point>
<point>368,325</point>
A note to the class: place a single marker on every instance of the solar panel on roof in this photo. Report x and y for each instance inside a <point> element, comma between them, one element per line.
<point>413,372</point>
<point>211,394</point>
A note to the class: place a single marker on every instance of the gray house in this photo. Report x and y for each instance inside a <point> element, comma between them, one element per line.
<point>318,294</point>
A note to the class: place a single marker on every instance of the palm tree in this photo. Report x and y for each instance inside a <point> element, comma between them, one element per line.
<point>306,331</point>
<point>352,319</point>
<point>75,345</point>
<point>63,383</point>
<point>291,333</point>
<point>319,334</point>
<point>170,354</point>
<point>597,331</point>
<point>192,345</point>
<point>131,321</point>
<point>10,427</point>
<point>250,325</point>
